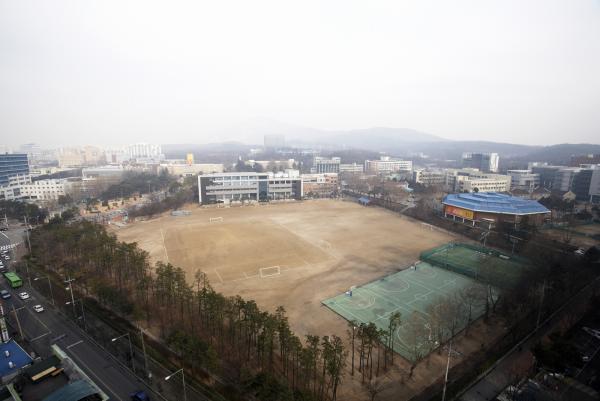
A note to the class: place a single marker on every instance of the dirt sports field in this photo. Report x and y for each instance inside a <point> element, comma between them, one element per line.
<point>322,248</point>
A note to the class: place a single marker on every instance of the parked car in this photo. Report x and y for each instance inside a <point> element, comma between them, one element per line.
<point>4,294</point>
<point>23,295</point>
<point>38,308</point>
<point>139,396</point>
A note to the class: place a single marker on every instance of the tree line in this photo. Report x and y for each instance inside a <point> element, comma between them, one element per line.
<point>138,183</point>
<point>17,210</point>
<point>229,336</point>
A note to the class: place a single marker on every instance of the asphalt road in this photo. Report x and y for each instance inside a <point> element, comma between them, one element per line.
<point>49,327</point>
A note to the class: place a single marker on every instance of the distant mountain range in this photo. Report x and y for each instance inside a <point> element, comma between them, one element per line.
<point>393,141</point>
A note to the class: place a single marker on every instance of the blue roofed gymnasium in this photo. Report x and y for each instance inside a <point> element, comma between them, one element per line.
<point>491,208</point>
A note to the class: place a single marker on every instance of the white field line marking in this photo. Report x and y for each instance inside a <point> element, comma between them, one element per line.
<point>219,276</point>
<point>328,251</point>
<point>164,247</point>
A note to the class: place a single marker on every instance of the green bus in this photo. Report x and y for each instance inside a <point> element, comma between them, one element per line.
<point>13,279</point>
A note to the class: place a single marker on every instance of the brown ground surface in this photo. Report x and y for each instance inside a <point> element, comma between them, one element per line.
<point>588,228</point>
<point>322,248</point>
<point>573,238</point>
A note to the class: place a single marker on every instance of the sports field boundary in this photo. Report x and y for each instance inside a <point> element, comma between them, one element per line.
<point>413,293</point>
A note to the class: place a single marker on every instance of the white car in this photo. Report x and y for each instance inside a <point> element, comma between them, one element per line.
<point>38,308</point>
<point>23,295</point>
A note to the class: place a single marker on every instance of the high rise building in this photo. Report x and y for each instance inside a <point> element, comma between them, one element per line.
<point>12,164</point>
<point>33,150</point>
<point>595,187</point>
<point>144,151</point>
<point>582,182</point>
<point>486,162</point>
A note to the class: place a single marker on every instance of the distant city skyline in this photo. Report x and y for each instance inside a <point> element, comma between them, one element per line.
<point>114,73</point>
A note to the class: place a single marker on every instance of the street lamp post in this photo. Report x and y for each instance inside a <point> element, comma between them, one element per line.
<point>183,380</point>
<point>130,348</point>
<point>144,351</point>
<point>82,311</point>
<point>49,285</point>
<point>70,289</point>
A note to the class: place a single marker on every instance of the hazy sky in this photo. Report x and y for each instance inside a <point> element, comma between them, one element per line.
<point>525,71</point>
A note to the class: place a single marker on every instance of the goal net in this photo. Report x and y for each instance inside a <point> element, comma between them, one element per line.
<point>215,219</point>
<point>269,271</point>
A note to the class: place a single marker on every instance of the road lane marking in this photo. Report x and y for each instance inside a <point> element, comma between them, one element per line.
<point>38,337</point>
<point>74,344</point>
<point>57,338</point>
<point>108,388</point>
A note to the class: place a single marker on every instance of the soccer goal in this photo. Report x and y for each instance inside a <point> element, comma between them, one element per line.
<point>271,271</point>
<point>215,219</point>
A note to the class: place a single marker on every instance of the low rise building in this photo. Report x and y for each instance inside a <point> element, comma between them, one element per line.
<point>387,164</point>
<point>320,185</point>
<point>272,165</point>
<point>523,179</point>
<point>249,186</point>
<point>483,183</point>
<point>326,165</point>
<point>13,189</point>
<point>351,168</point>
<point>47,190</point>
<point>429,177</point>
<point>187,170</point>
<point>489,209</point>
<point>473,180</point>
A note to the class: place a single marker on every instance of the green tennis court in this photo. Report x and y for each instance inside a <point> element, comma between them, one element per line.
<point>414,290</point>
<point>483,264</point>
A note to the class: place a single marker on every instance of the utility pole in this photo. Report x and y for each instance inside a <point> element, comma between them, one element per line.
<point>447,369</point>
<point>539,316</point>
<point>18,323</point>
<point>27,232</point>
<point>83,315</point>
<point>27,269</point>
<point>130,349</point>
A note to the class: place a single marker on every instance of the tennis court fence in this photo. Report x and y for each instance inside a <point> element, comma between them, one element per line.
<point>478,262</point>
